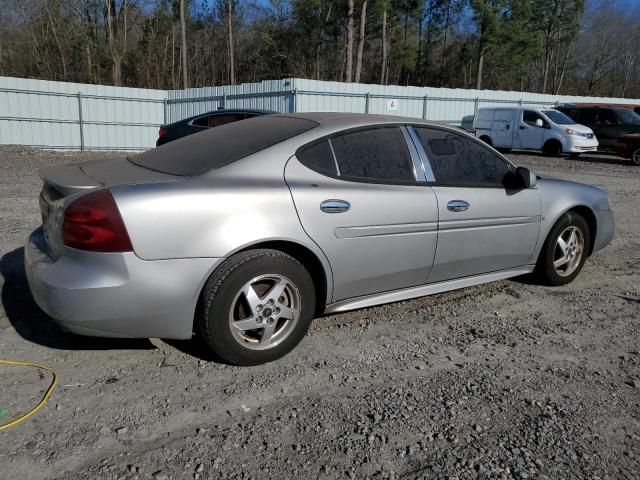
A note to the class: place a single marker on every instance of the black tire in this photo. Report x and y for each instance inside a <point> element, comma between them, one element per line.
<point>545,268</point>
<point>486,140</point>
<point>219,297</point>
<point>635,157</point>
<point>552,148</point>
<point>574,155</point>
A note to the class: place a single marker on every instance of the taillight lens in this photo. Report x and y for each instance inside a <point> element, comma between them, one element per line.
<point>162,132</point>
<point>93,223</point>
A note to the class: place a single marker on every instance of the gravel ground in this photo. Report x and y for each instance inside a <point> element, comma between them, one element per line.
<point>505,380</point>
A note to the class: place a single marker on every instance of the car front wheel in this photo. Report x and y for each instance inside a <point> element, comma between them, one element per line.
<point>256,307</point>
<point>635,157</point>
<point>565,250</point>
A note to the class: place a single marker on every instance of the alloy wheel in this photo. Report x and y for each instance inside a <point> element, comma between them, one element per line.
<point>265,312</point>
<point>569,250</point>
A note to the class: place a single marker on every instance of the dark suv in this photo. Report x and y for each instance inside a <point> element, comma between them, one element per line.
<point>617,128</point>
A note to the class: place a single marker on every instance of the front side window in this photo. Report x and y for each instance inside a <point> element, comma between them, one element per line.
<point>587,116</point>
<point>460,161</point>
<point>378,155</point>
<point>608,117</point>
<point>529,117</point>
<point>627,116</point>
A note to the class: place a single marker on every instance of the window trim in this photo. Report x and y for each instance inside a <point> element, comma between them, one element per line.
<point>401,126</point>
<point>511,166</point>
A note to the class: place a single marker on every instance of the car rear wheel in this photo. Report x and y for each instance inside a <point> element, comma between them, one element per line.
<point>565,250</point>
<point>256,307</point>
<point>635,157</point>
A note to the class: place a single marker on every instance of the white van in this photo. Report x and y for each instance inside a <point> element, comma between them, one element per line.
<point>544,129</point>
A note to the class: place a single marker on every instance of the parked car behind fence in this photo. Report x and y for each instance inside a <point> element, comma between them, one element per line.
<point>545,130</point>
<point>617,128</point>
<point>204,121</point>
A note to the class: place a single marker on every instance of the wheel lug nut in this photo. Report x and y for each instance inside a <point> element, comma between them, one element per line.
<point>259,307</point>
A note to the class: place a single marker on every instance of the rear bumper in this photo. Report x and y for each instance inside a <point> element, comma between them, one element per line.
<point>116,294</point>
<point>580,145</point>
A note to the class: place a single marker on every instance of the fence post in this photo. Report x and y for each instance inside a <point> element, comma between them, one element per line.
<point>164,115</point>
<point>424,107</point>
<point>224,100</point>
<point>475,106</point>
<point>520,102</point>
<point>294,94</point>
<point>366,103</point>
<point>80,121</point>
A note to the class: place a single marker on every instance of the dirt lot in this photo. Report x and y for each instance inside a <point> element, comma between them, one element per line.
<point>506,380</point>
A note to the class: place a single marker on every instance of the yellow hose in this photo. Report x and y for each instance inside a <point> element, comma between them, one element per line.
<point>46,396</point>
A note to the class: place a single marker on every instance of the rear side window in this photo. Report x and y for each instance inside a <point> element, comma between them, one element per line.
<point>485,115</point>
<point>378,154</point>
<point>503,115</point>
<point>460,161</point>
<point>318,157</point>
<point>217,147</point>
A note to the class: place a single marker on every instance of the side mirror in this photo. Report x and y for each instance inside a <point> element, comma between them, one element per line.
<point>526,178</point>
<point>539,123</point>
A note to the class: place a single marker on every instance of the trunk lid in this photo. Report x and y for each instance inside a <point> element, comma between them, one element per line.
<point>61,182</point>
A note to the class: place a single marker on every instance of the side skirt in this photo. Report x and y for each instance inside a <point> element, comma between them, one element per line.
<point>423,290</point>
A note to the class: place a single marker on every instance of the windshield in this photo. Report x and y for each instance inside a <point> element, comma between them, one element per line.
<point>558,118</point>
<point>220,146</point>
<point>627,116</point>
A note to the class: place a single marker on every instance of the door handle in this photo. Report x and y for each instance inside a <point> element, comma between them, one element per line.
<point>522,127</point>
<point>457,206</point>
<point>335,206</point>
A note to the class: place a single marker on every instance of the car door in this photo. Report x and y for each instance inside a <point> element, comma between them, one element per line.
<point>483,226</point>
<point>530,135</point>
<point>358,198</point>
<point>502,129</point>
<point>589,118</point>
<point>609,127</point>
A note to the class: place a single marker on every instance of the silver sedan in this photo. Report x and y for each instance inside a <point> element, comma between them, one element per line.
<point>246,232</point>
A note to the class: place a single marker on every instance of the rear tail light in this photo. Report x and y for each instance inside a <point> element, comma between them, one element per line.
<point>162,132</point>
<point>93,223</point>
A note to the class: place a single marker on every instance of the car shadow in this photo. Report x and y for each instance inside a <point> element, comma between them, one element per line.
<point>195,347</point>
<point>34,325</point>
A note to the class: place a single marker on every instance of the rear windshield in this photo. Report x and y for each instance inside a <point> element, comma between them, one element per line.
<point>220,146</point>
<point>558,118</point>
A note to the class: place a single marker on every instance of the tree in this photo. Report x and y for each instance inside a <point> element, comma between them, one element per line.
<point>361,37</point>
<point>183,46</point>
<point>232,61</point>
<point>349,42</point>
<point>487,15</point>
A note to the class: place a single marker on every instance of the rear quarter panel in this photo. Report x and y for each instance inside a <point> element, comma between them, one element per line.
<point>216,214</point>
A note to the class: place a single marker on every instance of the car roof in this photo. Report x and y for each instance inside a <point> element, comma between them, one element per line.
<point>342,120</point>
